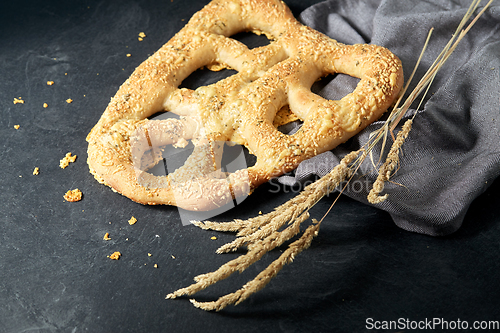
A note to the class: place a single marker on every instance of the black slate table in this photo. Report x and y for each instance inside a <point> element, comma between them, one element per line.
<point>360,273</point>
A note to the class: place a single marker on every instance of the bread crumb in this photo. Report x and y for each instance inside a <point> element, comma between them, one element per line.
<point>45,105</point>
<point>18,100</point>
<point>36,171</point>
<point>142,34</point>
<point>173,256</point>
<point>155,265</point>
<point>149,254</point>
<point>132,220</point>
<point>106,236</point>
<point>49,83</point>
<point>69,100</point>
<point>213,238</point>
<point>115,256</point>
<point>73,195</point>
<point>17,126</point>
<point>129,55</point>
<point>69,158</point>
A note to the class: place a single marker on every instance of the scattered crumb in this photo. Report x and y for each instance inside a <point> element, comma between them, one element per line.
<point>69,158</point>
<point>18,100</point>
<point>155,265</point>
<point>132,220</point>
<point>149,254</point>
<point>49,83</point>
<point>73,195</point>
<point>129,55</point>
<point>69,100</point>
<point>142,34</point>
<point>213,238</point>
<point>45,105</point>
<point>115,256</point>
<point>106,236</point>
<point>260,212</point>
<point>17,126</point>
<point>36,171</point>
<point>173,257</point>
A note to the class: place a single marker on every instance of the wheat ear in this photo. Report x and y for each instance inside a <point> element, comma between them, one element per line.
<point>266,237</point>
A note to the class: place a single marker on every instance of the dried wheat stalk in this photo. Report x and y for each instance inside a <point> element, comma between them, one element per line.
<point>261,234</point>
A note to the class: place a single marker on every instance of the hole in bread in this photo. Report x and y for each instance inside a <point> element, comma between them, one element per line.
<point>163,115</point>
<point>236,157</point>
<point>251,39</point>
<point>173,158</point>
<point>159,169</point>
<point>286,121</point>
<point>335,86</point>
<point>207,75</point>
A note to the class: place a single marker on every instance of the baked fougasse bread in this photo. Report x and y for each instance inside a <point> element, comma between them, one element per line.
<point>240,109</point>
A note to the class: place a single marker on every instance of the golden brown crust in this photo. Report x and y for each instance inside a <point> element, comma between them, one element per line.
<point>241,108</point>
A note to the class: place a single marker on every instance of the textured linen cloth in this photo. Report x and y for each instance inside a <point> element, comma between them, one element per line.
<point>453,151</point>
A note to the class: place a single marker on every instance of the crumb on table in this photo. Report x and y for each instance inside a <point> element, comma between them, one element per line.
<point>18,100</point>
<point>69,158</point>
<point>106,236</point>
<point>73,195</point>
<point>36,171</point>
<point>132,220</point>
<point>17,126</point>
<point>115,256</point>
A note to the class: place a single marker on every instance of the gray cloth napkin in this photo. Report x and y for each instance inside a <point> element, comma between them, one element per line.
<point>453,151</point>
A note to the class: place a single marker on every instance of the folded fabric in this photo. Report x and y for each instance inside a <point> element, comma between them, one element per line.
<point>453,151</point>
